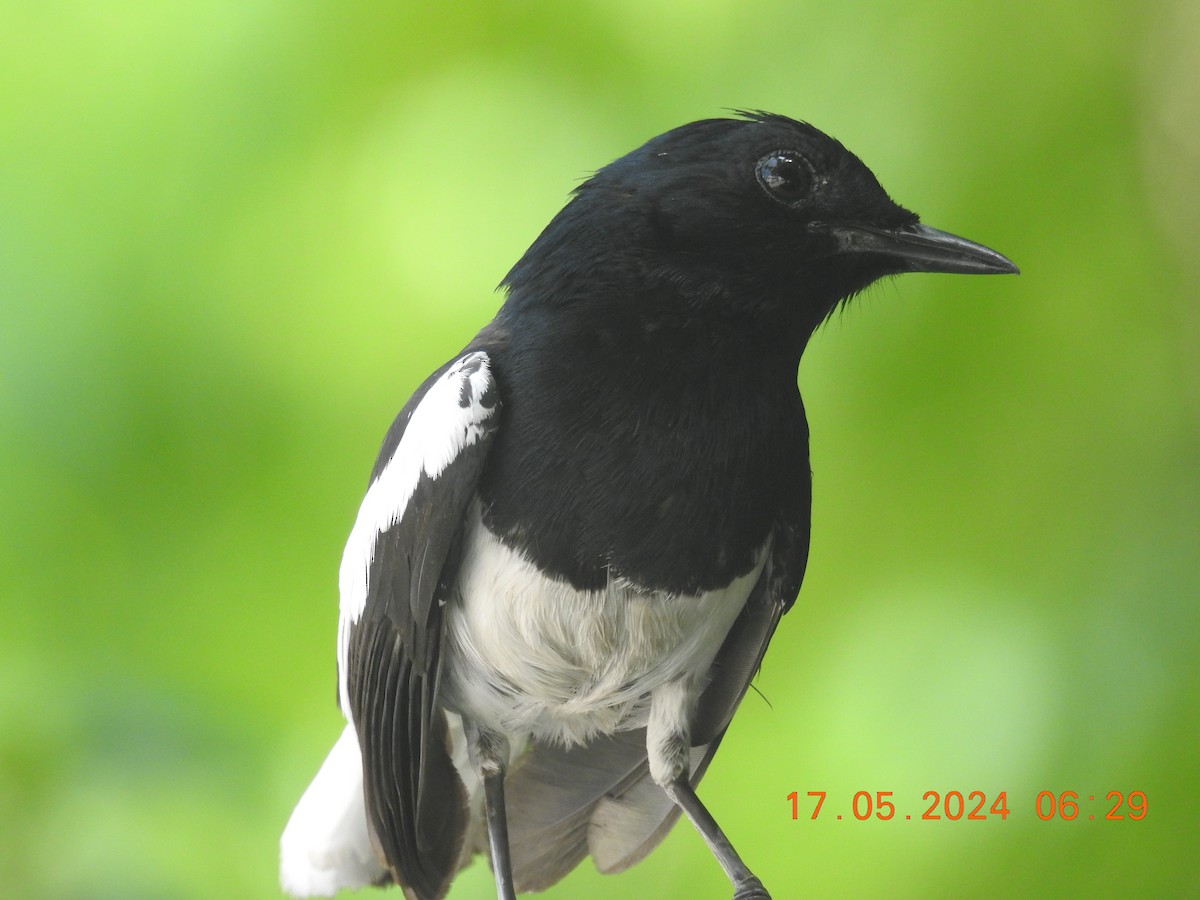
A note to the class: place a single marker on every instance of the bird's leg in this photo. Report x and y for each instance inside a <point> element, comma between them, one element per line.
<point>746,885</point>
<point>668,744</point>
<point>489,754</point>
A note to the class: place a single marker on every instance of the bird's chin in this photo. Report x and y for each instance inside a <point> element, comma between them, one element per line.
<point>843,277</point>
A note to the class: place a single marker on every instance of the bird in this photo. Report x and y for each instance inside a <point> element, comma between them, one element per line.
<point>582,531</point>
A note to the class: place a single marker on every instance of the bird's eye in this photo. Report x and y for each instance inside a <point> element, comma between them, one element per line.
<point>786,176</point>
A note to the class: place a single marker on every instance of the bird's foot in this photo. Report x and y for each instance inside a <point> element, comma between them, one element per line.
<point>751,889</point>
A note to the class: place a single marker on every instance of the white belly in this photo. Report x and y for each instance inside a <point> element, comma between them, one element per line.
<point>528,655</point>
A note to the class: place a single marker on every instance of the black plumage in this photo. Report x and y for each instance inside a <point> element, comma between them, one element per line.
<point>622,451</point>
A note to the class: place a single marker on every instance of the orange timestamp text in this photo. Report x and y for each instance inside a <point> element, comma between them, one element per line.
<point>974,806</point>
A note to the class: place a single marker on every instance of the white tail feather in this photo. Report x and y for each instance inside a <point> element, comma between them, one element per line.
<point>325,846</point>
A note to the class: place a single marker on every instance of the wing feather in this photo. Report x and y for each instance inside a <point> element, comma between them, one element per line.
<point>400,558</point>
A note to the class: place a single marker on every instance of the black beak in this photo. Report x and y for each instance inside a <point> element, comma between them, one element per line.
<point>919,248</point>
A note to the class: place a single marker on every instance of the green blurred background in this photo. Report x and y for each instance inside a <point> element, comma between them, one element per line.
<point>235,236</point>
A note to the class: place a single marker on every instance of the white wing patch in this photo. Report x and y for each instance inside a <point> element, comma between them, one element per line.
<point>450,417</point>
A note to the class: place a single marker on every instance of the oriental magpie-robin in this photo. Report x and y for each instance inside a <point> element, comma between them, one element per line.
<point>582,531</point>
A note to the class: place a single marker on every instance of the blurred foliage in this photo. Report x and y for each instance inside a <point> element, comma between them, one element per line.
<point>235,236</point>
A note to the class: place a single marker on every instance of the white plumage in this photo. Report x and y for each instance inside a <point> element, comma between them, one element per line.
<point>531,655</point>
<point>325,846</point>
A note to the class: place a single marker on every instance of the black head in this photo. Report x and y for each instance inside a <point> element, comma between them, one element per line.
<point>761,216</point>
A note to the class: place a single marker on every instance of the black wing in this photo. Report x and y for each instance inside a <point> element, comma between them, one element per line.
<point>398,563</point>
<point>741,655</point>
